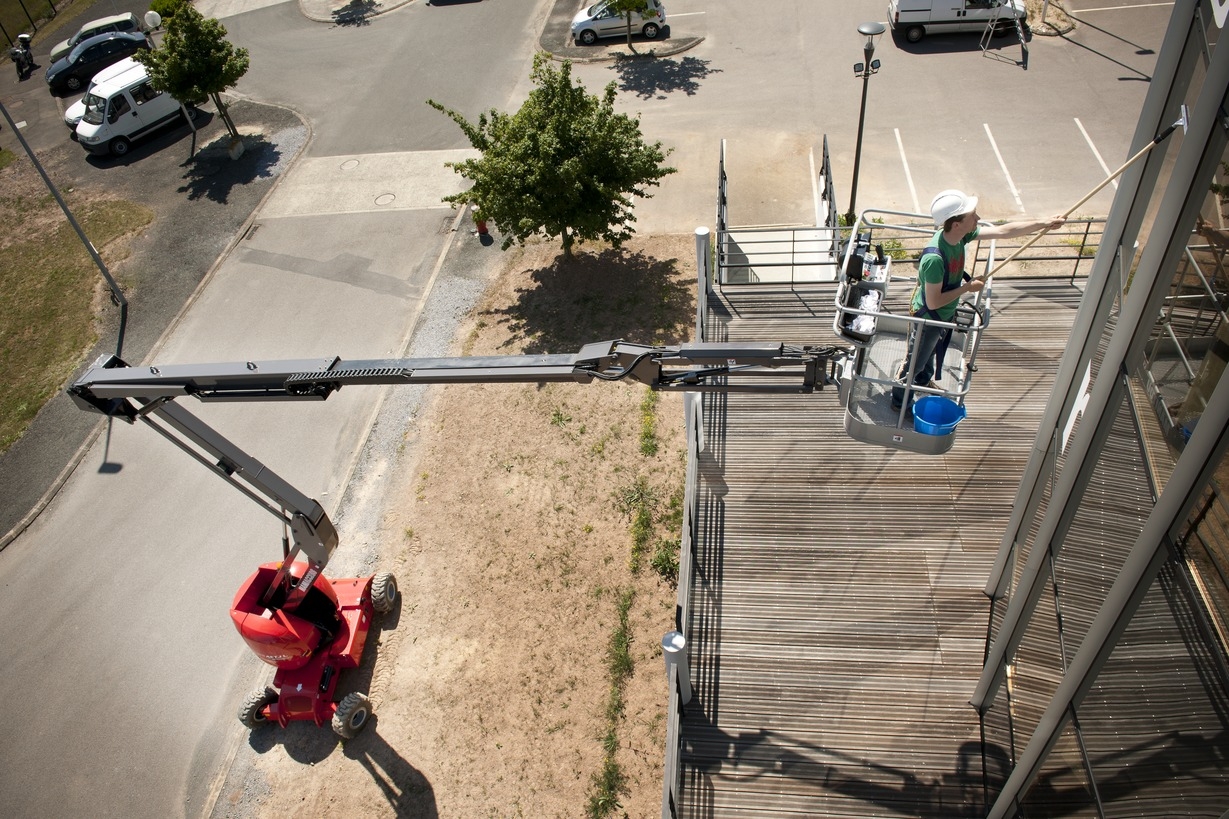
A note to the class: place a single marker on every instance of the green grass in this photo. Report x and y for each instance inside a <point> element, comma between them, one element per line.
<point>648,424</point>
<point>47,287</point>
<point>610,782</point>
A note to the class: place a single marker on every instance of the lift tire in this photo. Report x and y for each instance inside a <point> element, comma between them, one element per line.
<point>251,712</point>
<point>351,716</point>
<point>384,592</point>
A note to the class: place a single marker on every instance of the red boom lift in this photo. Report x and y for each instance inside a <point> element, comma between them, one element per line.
<point>311,627</point>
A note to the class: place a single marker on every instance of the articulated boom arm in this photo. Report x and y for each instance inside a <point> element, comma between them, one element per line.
<point>148,394</point>
<point>108,385</point>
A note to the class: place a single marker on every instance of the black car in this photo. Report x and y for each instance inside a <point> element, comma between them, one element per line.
<point>91,56</point>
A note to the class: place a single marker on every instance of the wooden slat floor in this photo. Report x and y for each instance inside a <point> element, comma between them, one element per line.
<point>837,621</point>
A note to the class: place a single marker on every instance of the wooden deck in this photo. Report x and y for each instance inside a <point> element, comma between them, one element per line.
<point>837,621</point>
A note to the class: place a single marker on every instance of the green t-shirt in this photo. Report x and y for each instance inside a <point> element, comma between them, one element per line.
<point>930,270</point>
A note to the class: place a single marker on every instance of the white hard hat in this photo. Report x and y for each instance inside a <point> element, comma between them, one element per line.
<point>951,203</point>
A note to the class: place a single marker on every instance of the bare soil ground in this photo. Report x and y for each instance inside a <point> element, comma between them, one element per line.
<point>505,529</point>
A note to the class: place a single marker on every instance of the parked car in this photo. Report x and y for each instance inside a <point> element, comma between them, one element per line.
<point>103,25</point>
<point>74,112</point>
<point>599,20</point>
<point>123,108</point>
<point>917,18</point>
<point>92,55</point>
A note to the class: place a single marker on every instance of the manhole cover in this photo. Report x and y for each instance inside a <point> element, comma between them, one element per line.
<point>385,199</point>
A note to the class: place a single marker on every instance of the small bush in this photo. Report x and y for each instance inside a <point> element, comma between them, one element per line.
<point>166,8</point>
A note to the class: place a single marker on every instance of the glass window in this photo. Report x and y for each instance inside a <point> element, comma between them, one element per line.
<point>119,107</point>
<point>145,92</point>
<point>95,107</point>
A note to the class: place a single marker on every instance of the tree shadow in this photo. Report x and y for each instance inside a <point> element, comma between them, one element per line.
<point>356,13</point>
<point>649,77</point>
<point>615,294</point>
<point>211,174</point>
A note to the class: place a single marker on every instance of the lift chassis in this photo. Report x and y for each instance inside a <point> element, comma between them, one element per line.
<point>311,627</point>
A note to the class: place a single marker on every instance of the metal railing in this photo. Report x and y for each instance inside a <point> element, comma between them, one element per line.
<point>693,410</point>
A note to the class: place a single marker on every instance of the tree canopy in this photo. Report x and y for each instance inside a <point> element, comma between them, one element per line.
<point>195,61</point>
<point>626,8</point>
<point>565,164</point>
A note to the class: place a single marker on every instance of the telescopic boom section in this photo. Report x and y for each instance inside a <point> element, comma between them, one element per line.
<point>108,386</point>
<point>148,394</point>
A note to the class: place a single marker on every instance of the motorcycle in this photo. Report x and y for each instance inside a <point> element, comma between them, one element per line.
<point>23,57</point>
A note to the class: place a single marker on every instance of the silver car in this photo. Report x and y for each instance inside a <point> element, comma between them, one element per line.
<point>599,20</point>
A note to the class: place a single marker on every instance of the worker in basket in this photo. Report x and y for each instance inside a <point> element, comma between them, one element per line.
<point>942,281</point>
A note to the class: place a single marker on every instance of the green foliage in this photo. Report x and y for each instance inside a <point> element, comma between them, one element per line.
<point>167,9</point>
<point>610,782</point>
<point>626,8</point>
<point>196,61</point>
<point>648,424</point>
<point>565,164</point>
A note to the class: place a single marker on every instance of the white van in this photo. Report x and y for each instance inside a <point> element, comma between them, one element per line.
<point>916,18</point>
<point>74,112</point>
<point>123,109</point>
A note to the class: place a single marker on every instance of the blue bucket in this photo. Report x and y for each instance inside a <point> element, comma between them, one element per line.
<point>936,415</point>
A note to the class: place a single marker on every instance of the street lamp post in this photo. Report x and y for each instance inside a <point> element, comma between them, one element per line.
<point>864,70</point>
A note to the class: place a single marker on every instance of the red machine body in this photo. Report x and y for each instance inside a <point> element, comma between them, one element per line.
<point>325,633</point>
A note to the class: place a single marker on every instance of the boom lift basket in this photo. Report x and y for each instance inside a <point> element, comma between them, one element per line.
<point>882,339</point>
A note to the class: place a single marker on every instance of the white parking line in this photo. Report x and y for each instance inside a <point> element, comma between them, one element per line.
<point>1118,8</point>
<point>686,14</point>
<point>1095,152</point>
<point>900,146</point>
<point>1015,192</point>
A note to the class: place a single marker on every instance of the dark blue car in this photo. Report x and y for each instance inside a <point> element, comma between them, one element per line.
<point>92,55</point>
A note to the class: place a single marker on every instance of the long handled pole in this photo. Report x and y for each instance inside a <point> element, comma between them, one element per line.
<point>1157,140</point>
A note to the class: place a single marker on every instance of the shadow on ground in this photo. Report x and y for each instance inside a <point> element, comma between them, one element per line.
<point>648,76</point>
<point>615,294</point>
<point>356,13</point>
<point>212,174</point>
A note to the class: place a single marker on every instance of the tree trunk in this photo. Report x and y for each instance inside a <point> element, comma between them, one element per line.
<point>224,115</point>
<point>567,244</point>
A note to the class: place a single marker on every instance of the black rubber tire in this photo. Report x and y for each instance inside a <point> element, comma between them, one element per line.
<point>73,83</point>
<point>588,37</point>
<point>250,712</point>
<point>650,31</point>
<point>352,714</point>
<point>119,146</point>
<point>193,112</point>
<point>914,34</point>
<point>384,592</point>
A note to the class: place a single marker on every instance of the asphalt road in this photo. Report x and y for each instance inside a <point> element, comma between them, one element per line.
<point>135,668</point>
<point>121,669</point>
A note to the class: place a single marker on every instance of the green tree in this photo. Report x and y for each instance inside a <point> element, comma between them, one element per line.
<point>565,164</point>
<point>627,8</point>
<point>196,62</point>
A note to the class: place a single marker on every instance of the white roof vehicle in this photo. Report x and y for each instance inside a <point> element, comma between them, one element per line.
<point>599,20</point>
<point>124,108</point>
<point>74,112</point>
